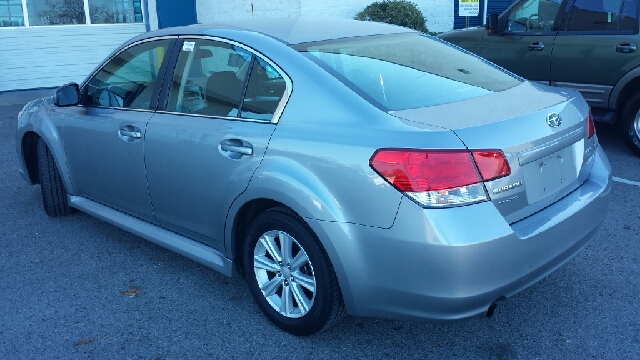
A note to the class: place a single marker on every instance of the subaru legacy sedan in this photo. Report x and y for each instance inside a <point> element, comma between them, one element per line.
<point>341,167</point>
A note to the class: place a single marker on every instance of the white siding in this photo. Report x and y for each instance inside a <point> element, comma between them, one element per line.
<point>50,56</point>
<point>153,15</point>
<point>439,13</point>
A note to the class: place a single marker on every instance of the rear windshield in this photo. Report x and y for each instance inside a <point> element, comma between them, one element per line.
<point>405,71</point>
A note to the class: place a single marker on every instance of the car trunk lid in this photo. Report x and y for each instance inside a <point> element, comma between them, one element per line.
<point>541,131</point>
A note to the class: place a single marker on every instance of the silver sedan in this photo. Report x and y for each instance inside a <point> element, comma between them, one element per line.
<point>339,166</point>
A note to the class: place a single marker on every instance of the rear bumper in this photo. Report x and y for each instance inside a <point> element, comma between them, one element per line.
<point>449,264</point>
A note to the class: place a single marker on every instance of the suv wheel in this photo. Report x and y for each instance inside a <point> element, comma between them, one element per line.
<point>289,273</point>
<point>630,123</point>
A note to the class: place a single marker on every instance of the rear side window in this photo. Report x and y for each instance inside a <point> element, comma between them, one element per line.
<point>603,15</point>
<point>403,71</point>
<point>128,80</point>
<point>264,91</point>
<point>209,78</point>
<point>219,79</point>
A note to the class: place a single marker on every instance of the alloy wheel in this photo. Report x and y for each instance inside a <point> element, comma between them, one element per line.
<point>284,274</point>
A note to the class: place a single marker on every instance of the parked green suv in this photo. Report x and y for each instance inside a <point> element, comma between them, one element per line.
<point>585,45</point>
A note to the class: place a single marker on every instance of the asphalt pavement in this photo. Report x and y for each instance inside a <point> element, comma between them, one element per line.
<point>77,287</point>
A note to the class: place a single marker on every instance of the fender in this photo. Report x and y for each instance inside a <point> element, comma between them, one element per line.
<point>617,89</point>
<point>307,196</point>
<point>37,117</point>
<point>303,192</point>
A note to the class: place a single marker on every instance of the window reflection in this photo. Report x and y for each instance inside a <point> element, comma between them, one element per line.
<point>73,12</point>
<point>11,13</point>
<point>115,11</point>
<point>55,12</point>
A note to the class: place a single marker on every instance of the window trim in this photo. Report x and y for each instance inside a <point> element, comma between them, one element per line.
<point>167,81</point>
<point>567,17</point>
<point>157,87</point>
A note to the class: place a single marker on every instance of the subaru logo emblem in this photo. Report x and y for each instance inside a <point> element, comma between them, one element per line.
<point>554,120</point>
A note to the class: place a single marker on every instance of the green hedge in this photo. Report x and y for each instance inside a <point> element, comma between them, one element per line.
<point>397,12</point>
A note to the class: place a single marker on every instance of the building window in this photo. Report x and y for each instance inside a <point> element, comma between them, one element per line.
<point>55,12</point>
<point>11,13</point>
<point>115,11</point>
<point>73,12</point>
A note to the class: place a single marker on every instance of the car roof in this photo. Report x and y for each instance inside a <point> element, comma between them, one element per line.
<point>291,30</point>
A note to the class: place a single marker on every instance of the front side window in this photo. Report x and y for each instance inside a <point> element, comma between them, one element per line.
<point>603,15</point>
<point>127,80</point>
<point>211,79</point>
<point>533,16</point>
<point>404,71</point>
<point>11,13</point>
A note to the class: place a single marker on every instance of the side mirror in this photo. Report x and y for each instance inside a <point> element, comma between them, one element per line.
<point>492,23</point>
<point>67,95</point>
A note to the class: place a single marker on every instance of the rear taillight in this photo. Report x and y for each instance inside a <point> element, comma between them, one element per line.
<point>440,178</point>
<point>591,127</point>
<point>492,164</point>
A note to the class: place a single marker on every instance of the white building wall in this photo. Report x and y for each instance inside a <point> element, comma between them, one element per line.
<point>439,13</point>
<point>50,56</point>
<point>212,10</point>
<point>153,15</point>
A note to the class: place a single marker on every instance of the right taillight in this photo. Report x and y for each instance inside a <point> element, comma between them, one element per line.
<point>440,178</point>
<point>591,127</point>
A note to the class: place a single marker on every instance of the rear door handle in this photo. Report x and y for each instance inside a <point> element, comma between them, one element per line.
<point>236,146</point>
<point>536,46</point>
<point>129,133</point>
<point>626,48</point>
<point>244,150</point>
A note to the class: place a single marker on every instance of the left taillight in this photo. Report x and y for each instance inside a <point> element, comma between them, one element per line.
<point>440,178</point>
<point>591,127</point>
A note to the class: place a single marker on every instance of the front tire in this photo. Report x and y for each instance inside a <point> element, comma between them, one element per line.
<point>54,195</point>
<point>289,274</point>
<point>630,123</point>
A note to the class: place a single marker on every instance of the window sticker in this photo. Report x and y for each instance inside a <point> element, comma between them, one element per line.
<point>188,45</point>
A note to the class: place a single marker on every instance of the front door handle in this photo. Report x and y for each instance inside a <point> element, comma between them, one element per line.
<point>626,48</point>
<point>536,46</point>
<point>129,133</point>
<point>244,150</point>
<point>236,146</point>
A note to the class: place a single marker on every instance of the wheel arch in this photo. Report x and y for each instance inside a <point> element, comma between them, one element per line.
<point>626,87</point>
<point>41,123</point>
<point>287,184</point>
<point>302,201</point>
<point>29,146</point>
<point>243,217</point>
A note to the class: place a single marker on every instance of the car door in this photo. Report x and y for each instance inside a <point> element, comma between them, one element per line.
<point>104,136</point>
<point>210,133</point>
<point>525,44</point>
<point>596,46</point>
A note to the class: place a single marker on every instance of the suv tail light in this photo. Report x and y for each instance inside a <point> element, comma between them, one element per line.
<point>591,128</point>
<point>440,178</point>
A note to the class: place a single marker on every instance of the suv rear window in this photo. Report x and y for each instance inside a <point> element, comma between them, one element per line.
<point>404,71</point>
<point>603,15</point>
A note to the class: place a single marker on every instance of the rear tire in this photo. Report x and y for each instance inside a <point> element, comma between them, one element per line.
<point>630,123</point>
<point>54,195</point>
<point>289,274</point>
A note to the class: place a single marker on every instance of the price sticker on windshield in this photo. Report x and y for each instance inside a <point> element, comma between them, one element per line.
<point>188,46</point>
